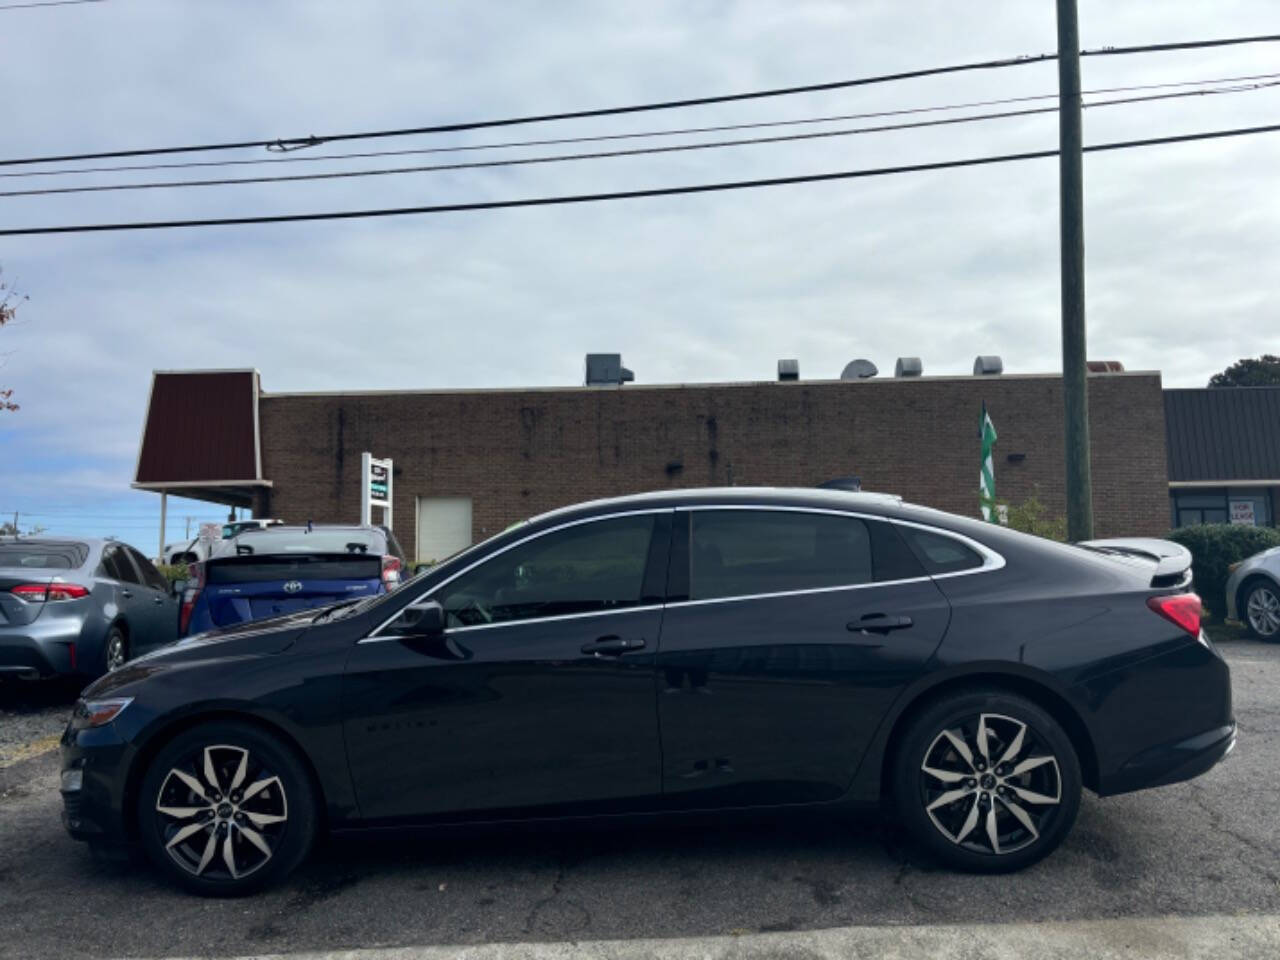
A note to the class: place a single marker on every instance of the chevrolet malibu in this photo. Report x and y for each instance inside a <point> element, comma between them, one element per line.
<point>671,653</point>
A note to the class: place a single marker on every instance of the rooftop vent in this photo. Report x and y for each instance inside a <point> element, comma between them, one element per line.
<point>859,370</point>
<point>1105,366</point>
<point>987,366</point>
<point>908,367</point>
<point>606,369</point>
<point>788,369</point>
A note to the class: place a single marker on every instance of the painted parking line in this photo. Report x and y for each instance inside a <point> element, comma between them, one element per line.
<point>1142,938</point>
<point>25,751</point>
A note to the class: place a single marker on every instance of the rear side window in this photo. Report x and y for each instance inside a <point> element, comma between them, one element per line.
<point>940,553</point>
<point>150,575</point>
<point>735,553</point>
<point>49,556</point>
<point>118,566</point>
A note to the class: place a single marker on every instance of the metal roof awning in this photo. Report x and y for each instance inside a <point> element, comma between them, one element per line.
<point>1221,436</point>
<point>200,438</point>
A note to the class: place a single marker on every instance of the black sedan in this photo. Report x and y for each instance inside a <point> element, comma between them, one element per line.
<point>669,653</point>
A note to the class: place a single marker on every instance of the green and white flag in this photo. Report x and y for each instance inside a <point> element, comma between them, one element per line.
<point>987,475</point>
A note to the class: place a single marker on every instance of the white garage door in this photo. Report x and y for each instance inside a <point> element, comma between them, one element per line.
<point>444,527</point>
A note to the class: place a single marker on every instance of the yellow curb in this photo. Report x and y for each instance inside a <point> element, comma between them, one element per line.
<point>25,751</point>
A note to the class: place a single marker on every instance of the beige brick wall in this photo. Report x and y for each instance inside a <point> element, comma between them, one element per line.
<point>520,452</point>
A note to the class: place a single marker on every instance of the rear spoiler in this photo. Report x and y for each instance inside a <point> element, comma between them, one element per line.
<point>1172,560</point>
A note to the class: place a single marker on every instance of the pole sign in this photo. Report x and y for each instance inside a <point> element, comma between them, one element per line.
<point>375,488</point>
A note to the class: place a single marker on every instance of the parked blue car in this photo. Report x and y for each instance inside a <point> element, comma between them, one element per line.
<point>280,570</point>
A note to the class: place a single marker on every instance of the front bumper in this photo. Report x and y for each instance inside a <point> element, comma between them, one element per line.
<point>96,809</point>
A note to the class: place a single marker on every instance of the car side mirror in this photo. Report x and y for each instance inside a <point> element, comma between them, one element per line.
<point>177,587</point>
<point>425,619</point>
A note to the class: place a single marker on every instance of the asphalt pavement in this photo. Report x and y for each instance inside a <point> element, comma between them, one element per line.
<point>1192,868</point>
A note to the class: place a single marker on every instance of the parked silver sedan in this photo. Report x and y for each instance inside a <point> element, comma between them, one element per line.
<point>78,607</point>
<point>1253,594</point>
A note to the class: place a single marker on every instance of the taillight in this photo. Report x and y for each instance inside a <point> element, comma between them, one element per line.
<point>195,583</point>
<point>1181,609</point>
<point>48,592</point>
<point>390,571</point>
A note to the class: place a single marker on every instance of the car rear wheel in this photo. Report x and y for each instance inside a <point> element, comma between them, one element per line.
<point>1262,610</point>
<point>226,809</point>
<point>987,781</point>
<point>115,651</point>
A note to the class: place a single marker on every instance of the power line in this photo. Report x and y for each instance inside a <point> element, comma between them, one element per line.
<point>47,3</point>
<point>630,194</point>
<point>558,141</point>
<point>639,151</point>
<point>297,143</point>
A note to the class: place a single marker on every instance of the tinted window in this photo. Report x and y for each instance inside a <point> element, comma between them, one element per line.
<point>744,552</point>
<point>150,575</point>
<point>939,553</point>
<point>118,566</point>
<point>319,540</point>
<point>588,568</point>
<point>50,556</point>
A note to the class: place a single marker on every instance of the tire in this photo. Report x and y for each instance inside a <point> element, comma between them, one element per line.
<point>115,650</point>
<point>1028,825</point>
<point>262,816</point>
<point>1260,610</point>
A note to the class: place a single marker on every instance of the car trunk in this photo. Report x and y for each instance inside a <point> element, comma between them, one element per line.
<point>1168,563</point>
<point>240,589</point>
<point>15,611</point>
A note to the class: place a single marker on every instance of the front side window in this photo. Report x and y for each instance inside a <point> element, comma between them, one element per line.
<point>588,568</point>
<point>735,553</point>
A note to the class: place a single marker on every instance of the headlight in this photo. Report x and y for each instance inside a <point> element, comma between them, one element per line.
<point>97,713</point>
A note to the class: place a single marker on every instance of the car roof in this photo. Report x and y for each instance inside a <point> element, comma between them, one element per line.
<point>87,541</point>
<point>813,497</point>
<point>280,528</point>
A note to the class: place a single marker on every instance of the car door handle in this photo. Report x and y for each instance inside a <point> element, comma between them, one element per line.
<point>126,594</point>
<point>611,646</point>
<point>157,600</point>
<point>879,623</point>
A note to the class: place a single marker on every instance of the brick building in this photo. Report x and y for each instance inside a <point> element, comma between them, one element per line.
<point>470,462</point>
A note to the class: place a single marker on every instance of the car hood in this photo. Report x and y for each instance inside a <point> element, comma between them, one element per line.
<point>263,637</point>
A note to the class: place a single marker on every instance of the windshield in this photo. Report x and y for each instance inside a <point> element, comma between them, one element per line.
<point>46,555</point>
<point>320,540</point>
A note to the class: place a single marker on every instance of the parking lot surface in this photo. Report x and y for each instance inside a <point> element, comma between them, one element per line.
<point>1206,853</point>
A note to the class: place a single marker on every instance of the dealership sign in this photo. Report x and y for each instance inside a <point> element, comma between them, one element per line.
<point>375,488</point>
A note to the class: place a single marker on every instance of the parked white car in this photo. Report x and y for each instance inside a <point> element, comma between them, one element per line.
<point>1253,594</point>
<point>201,546</point>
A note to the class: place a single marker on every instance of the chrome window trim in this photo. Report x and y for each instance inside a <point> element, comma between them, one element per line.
<point>375,635</point>
<point>991,561</point>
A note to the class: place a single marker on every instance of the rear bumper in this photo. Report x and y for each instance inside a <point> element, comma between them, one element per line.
<point>1174,762</point>
<point>42,648</point>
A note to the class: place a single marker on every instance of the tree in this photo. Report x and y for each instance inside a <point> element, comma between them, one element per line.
<point>9,300</point>
<point>1264,371</point>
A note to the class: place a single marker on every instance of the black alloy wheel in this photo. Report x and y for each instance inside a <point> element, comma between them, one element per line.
<point>987,781</point>
<point>225,809</point>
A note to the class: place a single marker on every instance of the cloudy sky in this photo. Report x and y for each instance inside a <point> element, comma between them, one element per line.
<point>1181,240</point>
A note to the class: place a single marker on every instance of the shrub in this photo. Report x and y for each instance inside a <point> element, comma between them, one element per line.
<point>173,571</point>
<point>1214,547</point>
<point>1032,516</point>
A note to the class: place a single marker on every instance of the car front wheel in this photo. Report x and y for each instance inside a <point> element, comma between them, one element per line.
<point>226,809</point>
<point>987,781</point>
<point>1262,611</point>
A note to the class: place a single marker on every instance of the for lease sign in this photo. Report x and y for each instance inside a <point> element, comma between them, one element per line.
<point>1242,512</point>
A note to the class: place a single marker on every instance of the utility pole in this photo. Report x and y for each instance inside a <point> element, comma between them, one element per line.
<point>1075,384</point>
